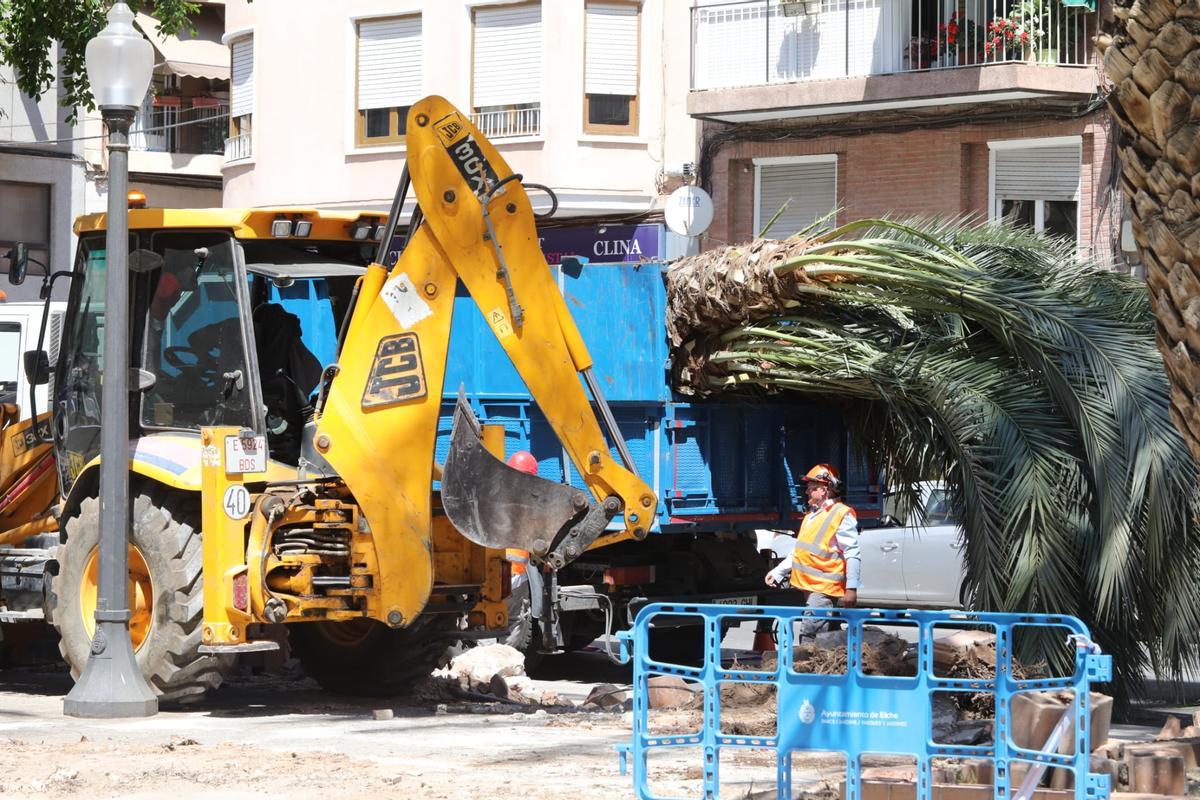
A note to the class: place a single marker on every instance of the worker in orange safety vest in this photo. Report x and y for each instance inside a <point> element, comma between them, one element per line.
<point>524,461</point>
<point>825,563</point>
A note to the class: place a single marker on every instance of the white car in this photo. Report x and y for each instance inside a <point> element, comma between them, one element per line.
<point>914,563</point>
<point>907,564</point>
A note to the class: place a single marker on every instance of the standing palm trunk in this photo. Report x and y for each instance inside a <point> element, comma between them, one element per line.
<point>1154,63</point>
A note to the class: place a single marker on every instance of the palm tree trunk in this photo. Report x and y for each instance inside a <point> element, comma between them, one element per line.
<point>1154,63</point>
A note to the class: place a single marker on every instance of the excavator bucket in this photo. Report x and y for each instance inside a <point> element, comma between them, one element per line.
<point>497,506</point>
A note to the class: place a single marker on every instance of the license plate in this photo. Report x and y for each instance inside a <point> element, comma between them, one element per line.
<point>749,600</point>
<point>245,454</point>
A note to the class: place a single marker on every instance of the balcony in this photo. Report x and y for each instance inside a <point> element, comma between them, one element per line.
<point>188,125</point>
<point>500,123</point>
<point>237,148</point>
<point>755,60</point>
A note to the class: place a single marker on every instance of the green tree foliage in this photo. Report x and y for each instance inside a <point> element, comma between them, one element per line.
<point>30,28</point>
<point>994,360</point>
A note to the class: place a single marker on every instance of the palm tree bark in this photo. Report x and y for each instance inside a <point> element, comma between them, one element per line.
<point>1153,61</point>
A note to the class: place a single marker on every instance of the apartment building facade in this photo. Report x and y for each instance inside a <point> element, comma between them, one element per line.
<point>584,96</point>
<point>53,169</point>
<point>41,178</point>
<point>177,141</point>
<point>983,108</point>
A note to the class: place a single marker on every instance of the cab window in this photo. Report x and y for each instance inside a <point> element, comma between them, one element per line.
<point>193,342</point>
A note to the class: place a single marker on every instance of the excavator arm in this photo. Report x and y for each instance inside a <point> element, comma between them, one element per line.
<point>378,427</point>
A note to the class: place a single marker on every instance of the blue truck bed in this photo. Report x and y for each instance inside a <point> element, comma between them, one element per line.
<point>715,464</point>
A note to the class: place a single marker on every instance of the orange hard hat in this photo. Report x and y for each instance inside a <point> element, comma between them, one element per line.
<point>524,461</point>
<point>823,473</point>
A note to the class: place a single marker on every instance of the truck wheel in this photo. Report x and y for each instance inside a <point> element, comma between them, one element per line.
<point>524,632</point>
<point>366,658</point>
<point>166,595</point>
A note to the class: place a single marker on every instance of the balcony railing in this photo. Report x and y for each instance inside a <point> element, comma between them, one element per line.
<point>753,42</point>
<point>508,122</point>
<point>237,147</point>
<point>180,125</point>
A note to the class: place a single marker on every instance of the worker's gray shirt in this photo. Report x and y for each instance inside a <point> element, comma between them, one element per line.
<point>846,540</point>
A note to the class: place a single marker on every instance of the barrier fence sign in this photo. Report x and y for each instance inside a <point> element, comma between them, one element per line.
<point>859,714</point>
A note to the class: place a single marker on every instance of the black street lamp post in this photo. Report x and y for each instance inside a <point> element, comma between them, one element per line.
<point>119,64</point>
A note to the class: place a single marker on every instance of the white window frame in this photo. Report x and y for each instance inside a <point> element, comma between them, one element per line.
<point>634,128</point>
<point>470,7</point>
<point>995,216</point>
<point>398,8</point>
<point>759,163</point>
<point>228,40</point>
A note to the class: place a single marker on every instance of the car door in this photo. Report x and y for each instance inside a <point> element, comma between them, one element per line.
<point>882,567</point>
<point>932,561</point>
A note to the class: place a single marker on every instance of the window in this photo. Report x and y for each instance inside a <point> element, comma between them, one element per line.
<point>610,100</point>
<point>25,217</point>
<point>10,358</point>
<point>193,338</point>
<point>241,105</point>
<point>389,78</point>
<point>506,73</point>
<point>1037,186</point>
<point>791,194</point>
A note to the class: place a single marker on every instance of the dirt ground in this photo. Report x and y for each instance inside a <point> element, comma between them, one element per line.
<point>268,735</point>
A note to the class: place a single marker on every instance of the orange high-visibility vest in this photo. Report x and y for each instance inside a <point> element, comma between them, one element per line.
<point>817,563</point>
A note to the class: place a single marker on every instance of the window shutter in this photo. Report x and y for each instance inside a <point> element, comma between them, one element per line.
<point>389,62</point>
<point>242,89</point>
<point>508,55</point>
<point>809,189</point>
<point>1038,173</point>
<point>612,49</point>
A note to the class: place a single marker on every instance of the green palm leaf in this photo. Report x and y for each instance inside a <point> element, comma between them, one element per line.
<point>991,358</point>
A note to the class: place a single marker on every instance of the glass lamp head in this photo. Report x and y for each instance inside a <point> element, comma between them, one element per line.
<point>119,61</point>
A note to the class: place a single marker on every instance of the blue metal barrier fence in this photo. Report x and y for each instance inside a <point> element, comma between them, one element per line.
<point>856,713</point>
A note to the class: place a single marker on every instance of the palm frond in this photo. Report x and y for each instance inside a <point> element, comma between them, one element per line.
<point>992,357</point>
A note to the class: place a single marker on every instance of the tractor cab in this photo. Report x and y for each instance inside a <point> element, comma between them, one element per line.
<point>233,317</point>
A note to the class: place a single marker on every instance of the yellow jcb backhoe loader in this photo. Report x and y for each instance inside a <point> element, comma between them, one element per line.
<point>282,435</point>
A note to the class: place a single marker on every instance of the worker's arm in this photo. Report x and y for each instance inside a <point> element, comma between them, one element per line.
<point>847,543</point>
<point>779,574</point>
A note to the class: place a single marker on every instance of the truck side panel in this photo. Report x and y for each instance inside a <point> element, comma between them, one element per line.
<point>716,465</point>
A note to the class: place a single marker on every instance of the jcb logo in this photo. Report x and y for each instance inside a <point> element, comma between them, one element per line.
<point>29,440</point>
<point>397,373</point>
<point>449,128</point>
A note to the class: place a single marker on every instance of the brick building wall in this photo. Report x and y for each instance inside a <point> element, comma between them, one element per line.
<point>935,172</point>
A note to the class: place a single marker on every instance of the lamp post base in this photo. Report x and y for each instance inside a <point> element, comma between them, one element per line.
<point>104,689</point>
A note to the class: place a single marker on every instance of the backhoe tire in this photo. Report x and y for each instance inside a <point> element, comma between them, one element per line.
<point>524,632</point>
<point>366,658</point>
<point>166,562</point>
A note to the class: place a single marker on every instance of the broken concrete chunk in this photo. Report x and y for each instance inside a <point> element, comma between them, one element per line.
<point>608,696</point>
<point>667,691</point>
<point>1157,773</point>
<point>475,668</point>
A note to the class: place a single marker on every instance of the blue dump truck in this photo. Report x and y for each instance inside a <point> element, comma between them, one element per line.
<point>721,468</point>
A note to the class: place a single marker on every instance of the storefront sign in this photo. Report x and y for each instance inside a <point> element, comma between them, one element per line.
<point>599,244</point>
<point>604,244</point>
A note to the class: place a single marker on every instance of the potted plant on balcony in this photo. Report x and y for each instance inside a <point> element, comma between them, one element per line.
<point>921,53</point>
<point>960,41</point>
<point>1022,35</point>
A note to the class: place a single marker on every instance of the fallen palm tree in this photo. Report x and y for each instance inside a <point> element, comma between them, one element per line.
<point>993,359</point>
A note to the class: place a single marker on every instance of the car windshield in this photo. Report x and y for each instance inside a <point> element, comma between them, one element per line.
<point>938,510</point>
<point>194,340</point>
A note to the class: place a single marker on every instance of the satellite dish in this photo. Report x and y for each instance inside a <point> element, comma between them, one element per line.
<point>689,211</point>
